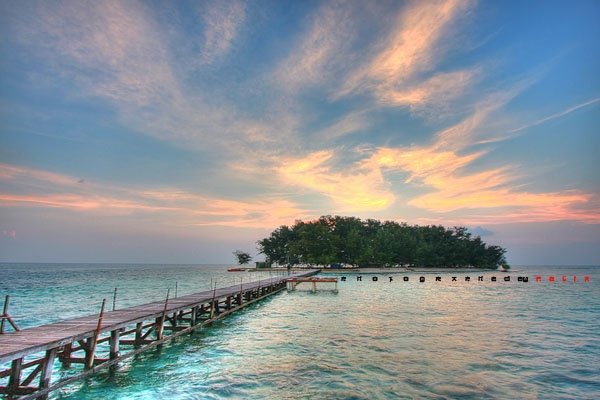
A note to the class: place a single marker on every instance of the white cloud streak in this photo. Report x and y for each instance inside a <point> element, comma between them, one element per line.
<point>555,116</point>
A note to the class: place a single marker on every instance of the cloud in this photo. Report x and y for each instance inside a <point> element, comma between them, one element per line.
<point>432,95</point>
<point>403,72</point>
<point>113,49</point>
<point>321,50</point>
<point>24,187</point>
<point>555,115</point>
<point>222,21</point>
<point>472,128</point>
<point>354,190</point>
<point>129,55</point>
<point>350,123</point>
<point>440,168</point>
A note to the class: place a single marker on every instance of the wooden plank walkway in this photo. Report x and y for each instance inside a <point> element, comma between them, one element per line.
<point>62,339</point>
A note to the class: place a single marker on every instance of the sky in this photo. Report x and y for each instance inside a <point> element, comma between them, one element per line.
<point>181,131</point>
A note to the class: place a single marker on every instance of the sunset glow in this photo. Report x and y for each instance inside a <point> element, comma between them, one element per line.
<point>220,121</point>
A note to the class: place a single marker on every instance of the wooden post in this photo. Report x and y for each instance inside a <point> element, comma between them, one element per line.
<point>115,300</point>
<point>114,344</point>
<point>14,381</point>
<point>194,316</point>
<point>65,355</point>
<point>176,289</point>
<point>89,357</point>
<point>212,303</point>
<point>174,321</point>
<point>138,333</point>
<point>161,320</point>
<point>47,370</point>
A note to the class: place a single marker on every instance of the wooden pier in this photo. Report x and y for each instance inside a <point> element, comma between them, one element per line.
<point>101,341</point>
<point>293,282</point>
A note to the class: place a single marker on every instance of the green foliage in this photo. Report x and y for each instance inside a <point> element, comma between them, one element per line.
<point>350,240</point>
<point>242,257</point>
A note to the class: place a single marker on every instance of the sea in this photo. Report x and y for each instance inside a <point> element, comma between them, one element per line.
<point>379,337</point>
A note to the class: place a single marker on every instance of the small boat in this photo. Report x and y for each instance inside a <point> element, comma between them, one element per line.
<point>237,269</point>
<point>502,268</point>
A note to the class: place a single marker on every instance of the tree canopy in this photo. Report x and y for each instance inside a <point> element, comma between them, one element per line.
<point>242,257</point>
<point>350,240</point>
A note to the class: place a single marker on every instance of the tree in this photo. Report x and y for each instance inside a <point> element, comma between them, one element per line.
<point>350,240</point>
<point>242,257</point>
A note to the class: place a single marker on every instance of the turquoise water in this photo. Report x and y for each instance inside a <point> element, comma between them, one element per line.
<point>372,340</point>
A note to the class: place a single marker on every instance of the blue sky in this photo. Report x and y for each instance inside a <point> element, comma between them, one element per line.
<point>182,131</point>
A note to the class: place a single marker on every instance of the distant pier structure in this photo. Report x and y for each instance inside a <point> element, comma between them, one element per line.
<point>100,341</point>
<point>313,282</point>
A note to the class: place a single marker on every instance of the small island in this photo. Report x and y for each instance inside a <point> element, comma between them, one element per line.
<point>337,240</point>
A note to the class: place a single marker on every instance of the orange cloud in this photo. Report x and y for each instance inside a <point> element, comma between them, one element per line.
<point>412,48</point>
<point>493,189</point>
<point>76,202</point>
<point>400,73</point>
<point>360,189</point>
<point>176,206</point>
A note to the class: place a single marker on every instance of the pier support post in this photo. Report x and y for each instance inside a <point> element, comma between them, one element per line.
<point>212,304</point>
<point>89,357</point>
<point>65,355</point>
<point>14,381</point>
<point>138,333</point>
<point>194,317</point>
<point>47,370</point>
<point>114,344</point>
<point>160,321</point>
<point>174,321</point>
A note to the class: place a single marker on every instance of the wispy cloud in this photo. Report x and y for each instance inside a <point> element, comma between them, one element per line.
<point>222,20</point>
<point>123,53</point>
<point>113,49</point>
<point>24,187</point>
<point>350,123</point>
<point>431,96</point>
<point>403,72</point>
<point>320,51</point>
<point>555,115</point>
<point>441,169</point>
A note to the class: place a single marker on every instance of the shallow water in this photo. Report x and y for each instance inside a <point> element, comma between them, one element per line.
<point>372,340</point>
